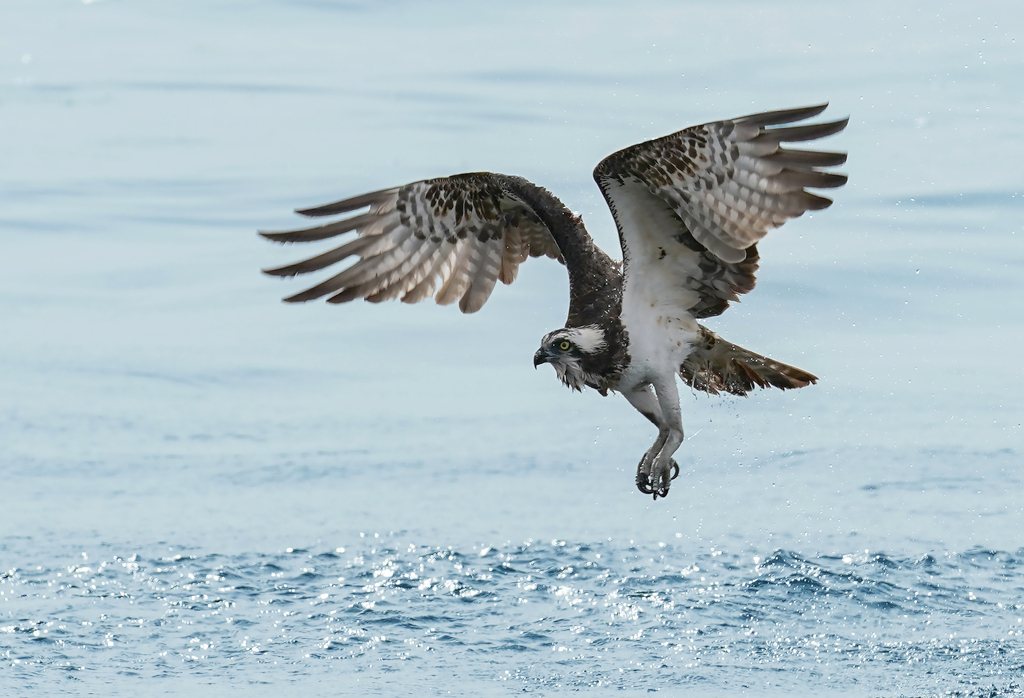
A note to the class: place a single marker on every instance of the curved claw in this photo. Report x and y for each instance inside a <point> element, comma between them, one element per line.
<point>663,490</point>
<point>643,482</point>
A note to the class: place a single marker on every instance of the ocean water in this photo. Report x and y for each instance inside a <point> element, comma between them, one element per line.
<point>204,491</point>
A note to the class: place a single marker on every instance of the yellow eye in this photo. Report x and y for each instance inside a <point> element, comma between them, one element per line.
<point>564,345</point>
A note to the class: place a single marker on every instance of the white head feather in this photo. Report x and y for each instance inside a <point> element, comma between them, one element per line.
<point>590,338</point>
<point>587,340</point>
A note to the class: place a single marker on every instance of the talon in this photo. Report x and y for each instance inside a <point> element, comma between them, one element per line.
<point>675,470</point>
<point>643,483</point>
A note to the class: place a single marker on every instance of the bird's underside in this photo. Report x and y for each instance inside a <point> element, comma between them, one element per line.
<point>690,209</point>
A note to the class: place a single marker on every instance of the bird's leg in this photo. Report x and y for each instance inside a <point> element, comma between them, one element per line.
<point>646,464</point>
<point>642,398</point>
<point>664,469</point>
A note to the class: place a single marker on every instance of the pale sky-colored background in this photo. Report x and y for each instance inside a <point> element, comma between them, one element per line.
<point>153,387</point>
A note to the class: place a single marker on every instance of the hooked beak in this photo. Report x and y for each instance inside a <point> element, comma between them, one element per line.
<point>541,357</point>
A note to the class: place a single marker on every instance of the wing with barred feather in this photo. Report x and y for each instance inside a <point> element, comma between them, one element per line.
<point>457,235</point>
<point>691,206</point>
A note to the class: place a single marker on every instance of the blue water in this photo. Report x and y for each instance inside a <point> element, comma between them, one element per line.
<point>393,615</point>
<point>205,491</point>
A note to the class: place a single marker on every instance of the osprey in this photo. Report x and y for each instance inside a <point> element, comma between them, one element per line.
<point>690,208</point>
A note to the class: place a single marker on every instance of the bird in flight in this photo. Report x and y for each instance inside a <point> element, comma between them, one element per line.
<point>690,209</point>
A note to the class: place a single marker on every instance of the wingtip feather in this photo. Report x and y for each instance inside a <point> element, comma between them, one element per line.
<point>276,271</point>
<point>352,203</point>
<point>781,116</point>
<point>817,203</point>
<point>297,298</point>
<point>804,132</point>
<point>274,236</point>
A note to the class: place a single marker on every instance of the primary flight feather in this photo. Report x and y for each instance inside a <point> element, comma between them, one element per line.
<point>690,209</point>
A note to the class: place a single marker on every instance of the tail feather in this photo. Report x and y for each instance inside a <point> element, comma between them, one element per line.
<point>716,366</point>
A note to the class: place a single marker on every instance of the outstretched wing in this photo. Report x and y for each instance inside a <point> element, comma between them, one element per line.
<point>457,234</point>
<point>691,207</point>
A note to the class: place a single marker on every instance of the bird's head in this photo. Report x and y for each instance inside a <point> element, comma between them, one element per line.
<point>571,351</point>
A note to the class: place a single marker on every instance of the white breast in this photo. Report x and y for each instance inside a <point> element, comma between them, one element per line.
<point>655,301</point>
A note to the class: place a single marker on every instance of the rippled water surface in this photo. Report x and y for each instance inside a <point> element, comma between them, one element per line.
<point>204,491</point>
<point>531,616</point>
